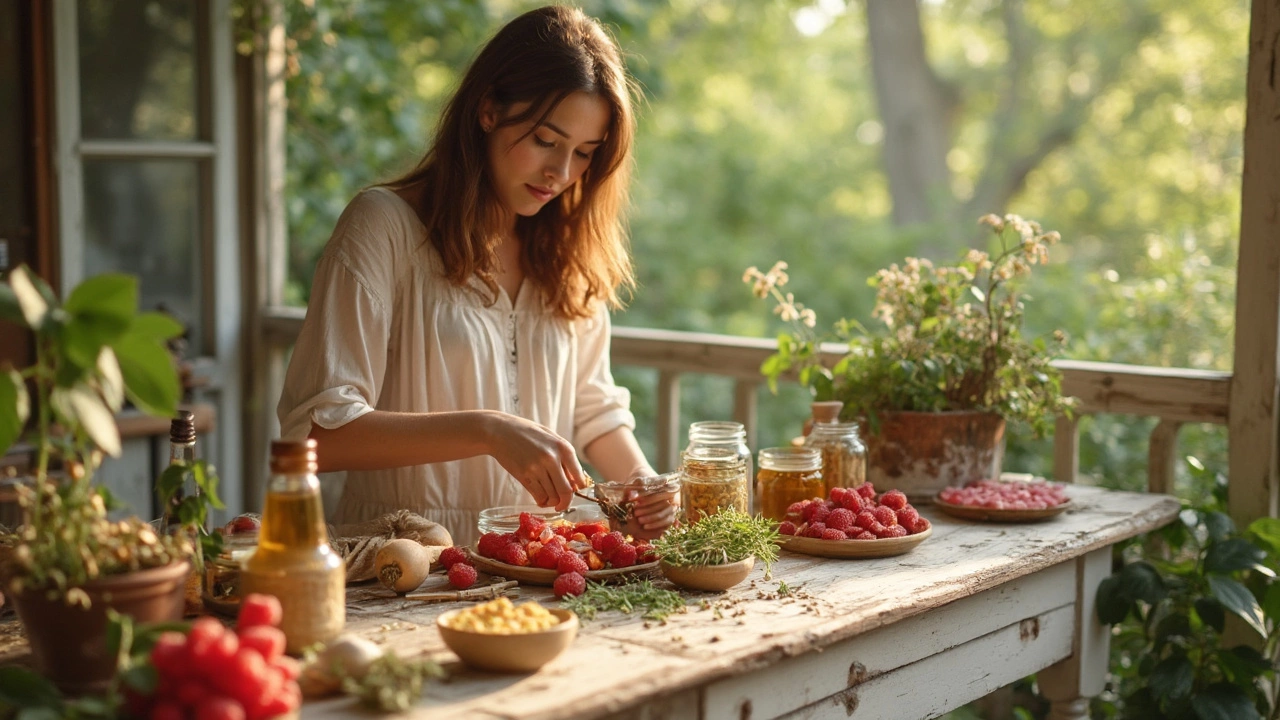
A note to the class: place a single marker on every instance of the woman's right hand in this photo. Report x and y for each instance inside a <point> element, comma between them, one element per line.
<point>540,460</point>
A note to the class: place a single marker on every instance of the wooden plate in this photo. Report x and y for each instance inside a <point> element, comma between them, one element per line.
<point>982,514</point>
<point>543,576</point>
<point>886,547</point>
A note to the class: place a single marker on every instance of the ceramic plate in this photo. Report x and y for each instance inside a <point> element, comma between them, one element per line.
<point>854,548</point>
<point>982,514</point>
<point>543,576</point>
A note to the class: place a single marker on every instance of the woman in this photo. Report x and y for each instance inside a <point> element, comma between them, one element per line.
<point>456,348</point>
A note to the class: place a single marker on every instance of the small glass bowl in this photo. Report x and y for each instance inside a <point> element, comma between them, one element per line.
<point>506,518</point>
<point>617,493</point>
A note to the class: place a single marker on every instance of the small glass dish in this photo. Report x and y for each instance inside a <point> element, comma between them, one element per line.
<point>506,518</point>
<point>624,495</point>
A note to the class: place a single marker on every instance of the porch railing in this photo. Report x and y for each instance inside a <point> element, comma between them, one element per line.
<point>1171,395</point>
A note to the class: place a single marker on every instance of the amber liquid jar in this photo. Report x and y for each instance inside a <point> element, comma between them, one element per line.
<point>294,561</point>
<point>788,475</point>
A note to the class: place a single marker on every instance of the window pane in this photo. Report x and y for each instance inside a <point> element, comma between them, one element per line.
<point>138,70</point>
<point>144,218</point>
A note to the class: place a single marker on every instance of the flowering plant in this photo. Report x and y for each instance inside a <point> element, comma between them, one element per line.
<point>953,337</point>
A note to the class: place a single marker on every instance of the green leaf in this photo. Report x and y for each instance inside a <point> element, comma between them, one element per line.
<point>109,500</point>
<point>20,687</point>
<point>1141,581</point>
<point>1219,525</point>
<point>1173,625</point>
<point>1235,554</point>
<point>31,302</point>
<point>1223,701</point>
<point>1237,598</point>
<point>1172,678</point>
<point>170,482</point>
<point>206,477</point>
<point>1267,530</point>
<point>1271,601</point>
<point>142,678</point>
<point>1211,613</point>
<point>155,326</point>
<point>9,308</point>
<point>1113,606</point>
<point>1243,663</point>
<point>41,713</point>
<point>96,419</point>
<point>112,297</point>
<point>150,378</point>
<point>15,408</point>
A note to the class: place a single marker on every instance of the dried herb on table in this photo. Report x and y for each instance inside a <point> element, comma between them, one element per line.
<point>729,536</point>
<point>391,684</point>
<point>656,602</point>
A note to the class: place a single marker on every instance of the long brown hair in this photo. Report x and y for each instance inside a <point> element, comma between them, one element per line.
<point>575,248</point>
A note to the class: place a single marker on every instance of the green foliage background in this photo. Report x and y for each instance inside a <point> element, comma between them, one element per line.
<point>758,142</point>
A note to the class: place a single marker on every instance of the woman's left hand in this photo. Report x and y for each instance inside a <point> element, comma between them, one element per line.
<point>656,511</point>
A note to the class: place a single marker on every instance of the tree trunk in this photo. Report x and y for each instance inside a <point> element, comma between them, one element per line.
<point>916,108</point>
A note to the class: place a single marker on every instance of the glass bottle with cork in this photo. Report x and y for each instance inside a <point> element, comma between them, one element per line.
<point>788,475</point>
<point>182,451</point>
<point>294,561</point>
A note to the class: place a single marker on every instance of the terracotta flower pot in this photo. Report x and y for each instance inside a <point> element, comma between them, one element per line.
<point>69,644</point>
<point>920,453</point>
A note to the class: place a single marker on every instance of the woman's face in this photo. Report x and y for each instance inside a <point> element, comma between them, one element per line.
<point>529,169</point>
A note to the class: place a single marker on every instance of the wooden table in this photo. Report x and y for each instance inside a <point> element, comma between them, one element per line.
<point>975,607</point>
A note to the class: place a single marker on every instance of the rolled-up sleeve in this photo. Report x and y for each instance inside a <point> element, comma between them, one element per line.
<point>600,405</point>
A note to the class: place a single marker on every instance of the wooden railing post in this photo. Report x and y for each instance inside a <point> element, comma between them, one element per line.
<point>668,420</point>
<point>746,409</point>
<point>1066,449</point>
<point>1162,456</point>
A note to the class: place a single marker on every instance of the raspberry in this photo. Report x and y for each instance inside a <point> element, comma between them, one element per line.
<point>167,710</point>
<point>867,491</point>
<point>833,534</point>
<point>852,501</point>
<point>895,531</point>
<point>530,527</point>
<point>242,678</point>
<point>170,657</point>
<point>921,525</point>
<point>462,576</point>
<point>452,555</point>
<point>220,708</point>
<point>815,512</point>
<point>907,517</point>
<point>191,693</point>
<point>894,499</point>
<point>513,554</point>
<point>885,516</point>
<point>490,544</point>
<point>815,530</point>
<point>548,557</point>
<point>796,509</point>
<point>610,542</point>
<point>571,562</point>
<point>865,520</point>
<point>259,609</point>
<point>623,556</point>
<point>864,535</point>
<point>569,584</point>
<point>837,494</point>
<point>787,528</point>
<point>840,519</point>
<point>597,540</point>
<point>644,553</point>
<point>269,641</point>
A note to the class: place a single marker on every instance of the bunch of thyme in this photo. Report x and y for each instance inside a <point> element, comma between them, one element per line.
<point>728,536</point>
<point>392,684</point>
<point>642,595</point>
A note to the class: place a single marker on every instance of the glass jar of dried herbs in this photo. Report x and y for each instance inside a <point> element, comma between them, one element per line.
<point>844,456</point>
<point>712,478</point>
<point>723,434</point>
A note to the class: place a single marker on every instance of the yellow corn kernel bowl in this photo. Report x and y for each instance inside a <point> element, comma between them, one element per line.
<point>501,637</point>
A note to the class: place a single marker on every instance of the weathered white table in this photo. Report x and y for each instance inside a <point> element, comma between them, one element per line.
<point>975,607</point>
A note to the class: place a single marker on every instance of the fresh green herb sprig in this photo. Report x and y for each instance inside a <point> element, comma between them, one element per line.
<point>728,536</point>
<point>642,595</point>
<point>392,684</point>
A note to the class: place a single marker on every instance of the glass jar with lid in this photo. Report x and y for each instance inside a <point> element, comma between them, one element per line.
<point>788,475</point>
<point>844,456</point>
<point>712,478</point>
<point>623,495</point>
<point>728,435</point>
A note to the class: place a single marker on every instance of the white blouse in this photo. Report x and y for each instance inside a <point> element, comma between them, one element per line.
<point>385,330</point>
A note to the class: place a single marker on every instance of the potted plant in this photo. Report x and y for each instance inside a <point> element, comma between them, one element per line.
<point>951,365</point>
<point>69,563</point>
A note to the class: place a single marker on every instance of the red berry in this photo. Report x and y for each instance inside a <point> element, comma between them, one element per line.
<point>867,491</point>
<point>170,655</point>
<point>287,665</point>
<point>841,519</point>
<point>852,502</point>
<point>787,528</point>
<point>548,558</point>
<point>267,640</point>
<point>242,678</point>
<point>833,534</point>
<point>610,542</point>
<point>865,535</point>
<point>220,708</point>
<point>921,525</point>
<point>796,509</point>
<point>837,495</point>
<point>462,576</point>
<point>885,516</point>
<point>895,531</point>
<point>623,556</point>
<point>815,530</point>
<point>590,529</point>
<point>209,657</point>
<point>815,512</point>
<point>451,555</point>
<point>167,710</point>
<point>865,520</point>
<point>531,527</point>
<point>571,562</point>
<point>513,554</point>
<point>894,499</point>
<point>569,584</point>
<point>644,553</point>
<point>191,693</point>
<point>490,544</point>
<point>907,517</point>
<point>259,609</point>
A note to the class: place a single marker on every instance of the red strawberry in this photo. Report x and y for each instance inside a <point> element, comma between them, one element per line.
<point>623,556</point>
<point>462,576</point>
<point>491,544</point>
<point>451,555</point>
<point>513,554</point>
<point>259,609</point>
<point>571,562</point>
<point>610,542</point>
<point>569,584</point>
<point>644,553</point>
<point>548,557</point>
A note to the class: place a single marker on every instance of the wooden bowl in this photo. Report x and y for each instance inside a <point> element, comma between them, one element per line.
<point>710,578</point>
<point>518,652</point>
